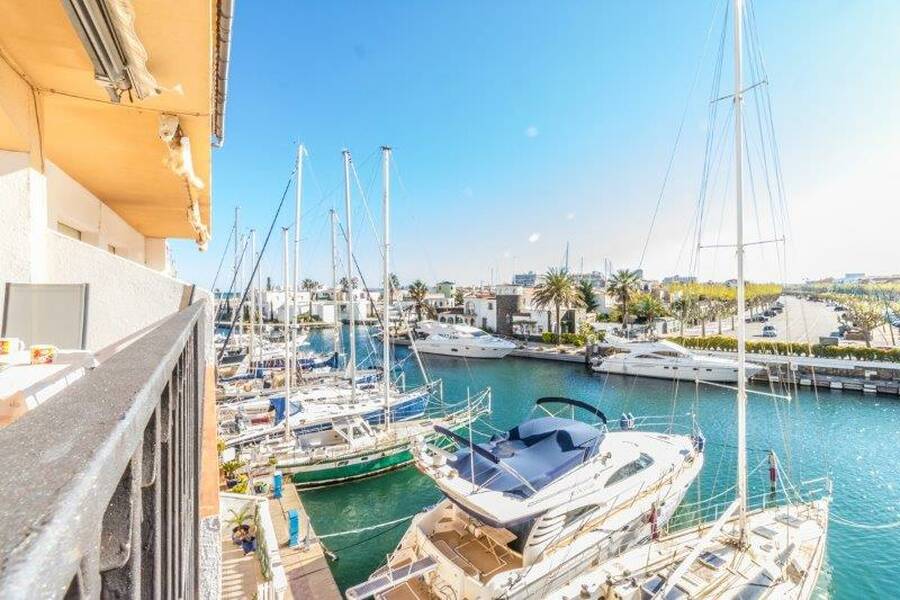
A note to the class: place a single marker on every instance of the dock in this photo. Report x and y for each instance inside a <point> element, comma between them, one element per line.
<point>866,376</point>
<point>305,565</point>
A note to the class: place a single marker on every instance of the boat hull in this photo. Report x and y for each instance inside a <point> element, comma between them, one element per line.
<point>717,374</point>
<point>348,468</point>
<point>461,350</point>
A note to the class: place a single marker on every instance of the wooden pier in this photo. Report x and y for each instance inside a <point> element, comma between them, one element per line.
<point>305,566</point>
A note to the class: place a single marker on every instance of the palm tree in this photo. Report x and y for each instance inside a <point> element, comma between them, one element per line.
<point>309,285</point>
<point>623,284</point>
<point>394,283</point>
<point>557,288</point>
<point>417,292</point>
<point>649,308</point>
<point>588,297</point>
<point>683,307</point>
<point>459,297</point>
<point>346,285</point>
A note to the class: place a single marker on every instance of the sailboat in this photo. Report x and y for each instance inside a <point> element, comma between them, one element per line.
<point>770,551</point>
<point>373,431</point>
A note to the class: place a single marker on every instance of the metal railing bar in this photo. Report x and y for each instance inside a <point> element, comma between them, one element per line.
<point>65,458</point>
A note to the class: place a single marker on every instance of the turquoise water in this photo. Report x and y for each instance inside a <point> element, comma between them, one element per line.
<point>853,438</point>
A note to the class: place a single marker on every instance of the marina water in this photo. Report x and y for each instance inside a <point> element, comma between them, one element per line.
<point>853,438</point>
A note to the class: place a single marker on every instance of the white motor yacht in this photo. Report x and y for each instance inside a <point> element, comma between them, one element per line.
<point>528,509</point>
<point>667,360</point>
<point>454,339</point>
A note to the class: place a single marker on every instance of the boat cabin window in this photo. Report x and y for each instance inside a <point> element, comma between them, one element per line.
<point>669,353</point>
<point>521,531</point>
<point>573,515</point>
<point>653,356</point>
<point>632,468</point>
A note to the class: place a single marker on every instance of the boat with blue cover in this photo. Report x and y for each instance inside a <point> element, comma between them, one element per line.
<point>528,508</point>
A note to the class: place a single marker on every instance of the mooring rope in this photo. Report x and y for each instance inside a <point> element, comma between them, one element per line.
<point>364,529</point>
<point>855,525</point>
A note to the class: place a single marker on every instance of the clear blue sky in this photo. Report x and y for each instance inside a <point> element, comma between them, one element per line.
<point>519,126</point>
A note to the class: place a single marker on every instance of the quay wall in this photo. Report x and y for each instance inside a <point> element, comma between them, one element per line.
<point>836,374</point>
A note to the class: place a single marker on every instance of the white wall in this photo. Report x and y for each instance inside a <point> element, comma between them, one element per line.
<point>71,203</point>
<point>23,214</point>
<point>123,296</point>
<point>485,311</point>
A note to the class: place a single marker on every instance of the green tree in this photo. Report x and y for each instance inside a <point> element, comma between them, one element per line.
<point>557,289</point>
<point>623,285</point>
<point>458,297</point>
<point>648,308</point>
<point>866,315</point>
<point>347,284</point>
<point>394,283</point>
<point>683,307</point>
<point>417,292</point>
<point>309,285</point>
<point>588,296</point>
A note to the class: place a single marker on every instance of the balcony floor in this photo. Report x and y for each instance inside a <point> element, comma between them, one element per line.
<point>240,573</point>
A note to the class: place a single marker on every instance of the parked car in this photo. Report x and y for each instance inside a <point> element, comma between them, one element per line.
<point>837,334</point>
<point>769,331</point>
<point>769,313</point>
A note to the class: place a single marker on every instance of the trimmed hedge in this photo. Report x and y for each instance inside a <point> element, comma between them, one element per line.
<point>567,338</point>
<point>719,342</point>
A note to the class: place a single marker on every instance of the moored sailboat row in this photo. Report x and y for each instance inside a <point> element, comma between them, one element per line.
<point>335,426</point>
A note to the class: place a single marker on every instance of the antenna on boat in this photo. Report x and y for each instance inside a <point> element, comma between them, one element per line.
<point>350,304</point>
<point>471,445</point>
<point>287,339</point>
<point>238,252</point>
<point>252,347</point>
<point>386,326</point>
<point>334,299</point>
<point>741,329</point>
<point>301,150</point>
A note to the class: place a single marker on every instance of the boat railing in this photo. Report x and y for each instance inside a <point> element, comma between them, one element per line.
<point>692,514</point>
<point>100,484</point>
<point>683,424</point>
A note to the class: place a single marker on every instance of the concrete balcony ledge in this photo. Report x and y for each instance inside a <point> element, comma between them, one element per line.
<point>124,296</point>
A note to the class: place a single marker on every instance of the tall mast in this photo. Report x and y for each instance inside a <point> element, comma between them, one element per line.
<point>334,298</point>
<point>386,325</point>
<point>237,259</point>
<point>741,327</point>
<point>351,302</point>
<point>300,151</point>
<point>259,290</point>
<point>288,362</point>
<point>252,299</point>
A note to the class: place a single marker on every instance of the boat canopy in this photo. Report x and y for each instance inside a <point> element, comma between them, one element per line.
<point>578,403</point>
<point>276,404</point>
<point>528,457</point>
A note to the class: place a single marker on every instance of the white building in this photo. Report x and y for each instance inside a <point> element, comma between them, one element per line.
<point>483,309</point>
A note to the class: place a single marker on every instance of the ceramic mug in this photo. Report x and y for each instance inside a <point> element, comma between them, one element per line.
<point>10,345</point>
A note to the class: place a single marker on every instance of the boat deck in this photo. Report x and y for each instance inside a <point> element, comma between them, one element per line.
<point>478,556</point>
<point>782,559</point>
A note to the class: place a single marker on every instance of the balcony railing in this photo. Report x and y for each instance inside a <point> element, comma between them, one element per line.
<point>99,485</point>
